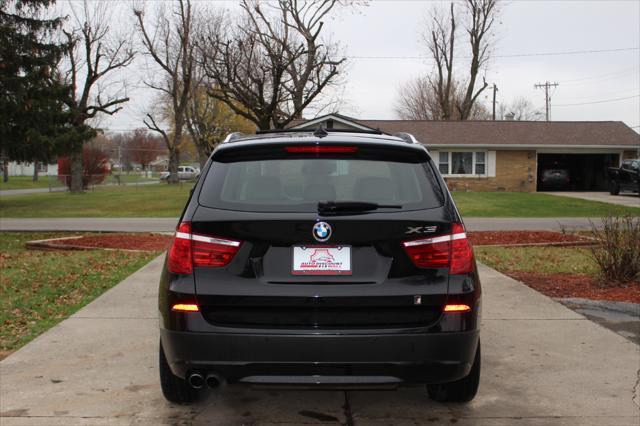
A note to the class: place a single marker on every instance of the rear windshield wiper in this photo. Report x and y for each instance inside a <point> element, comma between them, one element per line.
<point>352,206</point>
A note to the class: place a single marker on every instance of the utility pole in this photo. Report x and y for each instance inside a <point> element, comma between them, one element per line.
<point>547,99</point>
<point>495,89</point>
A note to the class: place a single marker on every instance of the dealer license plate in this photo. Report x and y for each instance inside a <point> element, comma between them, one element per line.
<point>321,260</point>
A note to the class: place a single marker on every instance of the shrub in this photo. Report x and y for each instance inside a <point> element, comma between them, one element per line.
<point>617,252</point>
<point>94,167</point>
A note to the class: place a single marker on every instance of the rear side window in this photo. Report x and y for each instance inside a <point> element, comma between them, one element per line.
<point>297,185</point>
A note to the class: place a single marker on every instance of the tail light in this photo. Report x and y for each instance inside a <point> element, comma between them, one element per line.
<point>451,251</point>
<point>194,250</point>
<point>321,149</point>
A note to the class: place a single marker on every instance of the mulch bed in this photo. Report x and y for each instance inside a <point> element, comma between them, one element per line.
<point>510,238</point>
<point>137,241</point>
<point>578,285</point>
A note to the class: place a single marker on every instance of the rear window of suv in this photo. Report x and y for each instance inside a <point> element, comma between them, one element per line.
<point>297,185</point>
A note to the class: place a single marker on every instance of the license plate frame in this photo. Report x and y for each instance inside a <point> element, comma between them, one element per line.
<point>329,260</point>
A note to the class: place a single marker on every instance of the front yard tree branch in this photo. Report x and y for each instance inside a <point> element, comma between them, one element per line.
<point>482,14</point>
<point>93,54</point>
<point>457,96</point>
<point>271,65</point>
<point>169,42</point>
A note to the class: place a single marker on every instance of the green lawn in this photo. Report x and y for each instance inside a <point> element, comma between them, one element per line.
<point>522,204</point>
<point>543,260</point>
<point>160,200</point>
<point>41,288</point>
<point>24,182</point>
<point>164,200</point>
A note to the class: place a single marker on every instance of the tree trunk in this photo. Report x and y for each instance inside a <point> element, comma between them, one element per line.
<point>36,164</point>
<point>5,169</point>
<point>75,159</point>
<point>174,162</point>
<point>174,151</point>
<point>203,153</point>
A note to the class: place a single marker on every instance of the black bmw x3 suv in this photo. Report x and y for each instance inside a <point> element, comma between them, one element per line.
<point>320,258</point>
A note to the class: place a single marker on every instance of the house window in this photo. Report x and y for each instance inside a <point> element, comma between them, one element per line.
<point>481,162</point>
<point>43,167</point>
<point>443,163</point>
<point>461,163</point>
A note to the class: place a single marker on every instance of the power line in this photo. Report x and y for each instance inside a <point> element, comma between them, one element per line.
<point>618,73</point>
<point>512,55</point>
<point>588,98</point>
<point>600,102</point>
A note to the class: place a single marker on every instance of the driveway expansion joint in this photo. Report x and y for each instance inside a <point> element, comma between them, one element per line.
<point>636,390</point>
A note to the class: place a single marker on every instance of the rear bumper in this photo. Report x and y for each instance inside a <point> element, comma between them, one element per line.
<point>323,358</point>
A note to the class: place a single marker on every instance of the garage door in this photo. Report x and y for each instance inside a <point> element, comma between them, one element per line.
<point>574,172</point>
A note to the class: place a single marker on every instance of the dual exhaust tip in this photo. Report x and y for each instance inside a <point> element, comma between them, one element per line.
<point>197,381</point>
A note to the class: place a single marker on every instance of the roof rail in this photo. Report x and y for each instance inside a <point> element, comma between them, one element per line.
<point>407,137</point>
<point>233,136</point>
<point>295,130</point>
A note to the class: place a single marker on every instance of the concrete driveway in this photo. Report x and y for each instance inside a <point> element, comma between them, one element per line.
<point>543,364</point>
<point>623,199</point>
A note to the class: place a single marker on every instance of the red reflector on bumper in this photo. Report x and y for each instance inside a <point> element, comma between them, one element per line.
<point>457,308</point>
<point>185,307</point>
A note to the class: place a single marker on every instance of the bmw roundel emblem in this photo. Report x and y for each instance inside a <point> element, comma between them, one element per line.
<point>321,231</point>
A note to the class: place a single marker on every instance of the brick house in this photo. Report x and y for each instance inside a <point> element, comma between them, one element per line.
<point>510,155</point>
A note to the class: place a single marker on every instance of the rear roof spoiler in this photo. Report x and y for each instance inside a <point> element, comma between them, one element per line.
<point>321,131</point>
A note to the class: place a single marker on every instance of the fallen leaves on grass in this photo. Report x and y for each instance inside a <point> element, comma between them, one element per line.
<point>40,288</point>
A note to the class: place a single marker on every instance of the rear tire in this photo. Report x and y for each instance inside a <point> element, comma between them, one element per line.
<point>174,388</point>
<point>463,390</point>
<point>614,188</point>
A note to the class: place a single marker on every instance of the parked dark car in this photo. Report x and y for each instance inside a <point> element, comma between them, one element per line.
<point>320,259</point>
<point>625,178</point>
<point>556,178</point>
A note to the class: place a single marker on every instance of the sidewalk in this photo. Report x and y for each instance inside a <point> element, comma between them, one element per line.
<point>543,365</point>
<point>169,224</point>
<point>27,191</point>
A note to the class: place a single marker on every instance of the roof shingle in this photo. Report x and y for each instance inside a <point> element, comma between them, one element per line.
<point>520,133</point>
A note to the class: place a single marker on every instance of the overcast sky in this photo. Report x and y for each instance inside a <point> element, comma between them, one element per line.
<point>382,42</point>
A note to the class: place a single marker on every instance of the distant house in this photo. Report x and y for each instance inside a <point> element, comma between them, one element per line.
<point>26,169</point>
<point>509,155</point>
<point>160,165</point>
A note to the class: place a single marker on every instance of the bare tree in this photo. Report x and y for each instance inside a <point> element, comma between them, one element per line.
<point>171,45</point>
<point>274,64</point>
<point>419,100</point>
<point>440,42</point>
<point>316,64</point>
<point>479,17</point>
<point>520,109</point>
<point>209,120</point>
<point>93,54</point>
<point>144,148</point>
